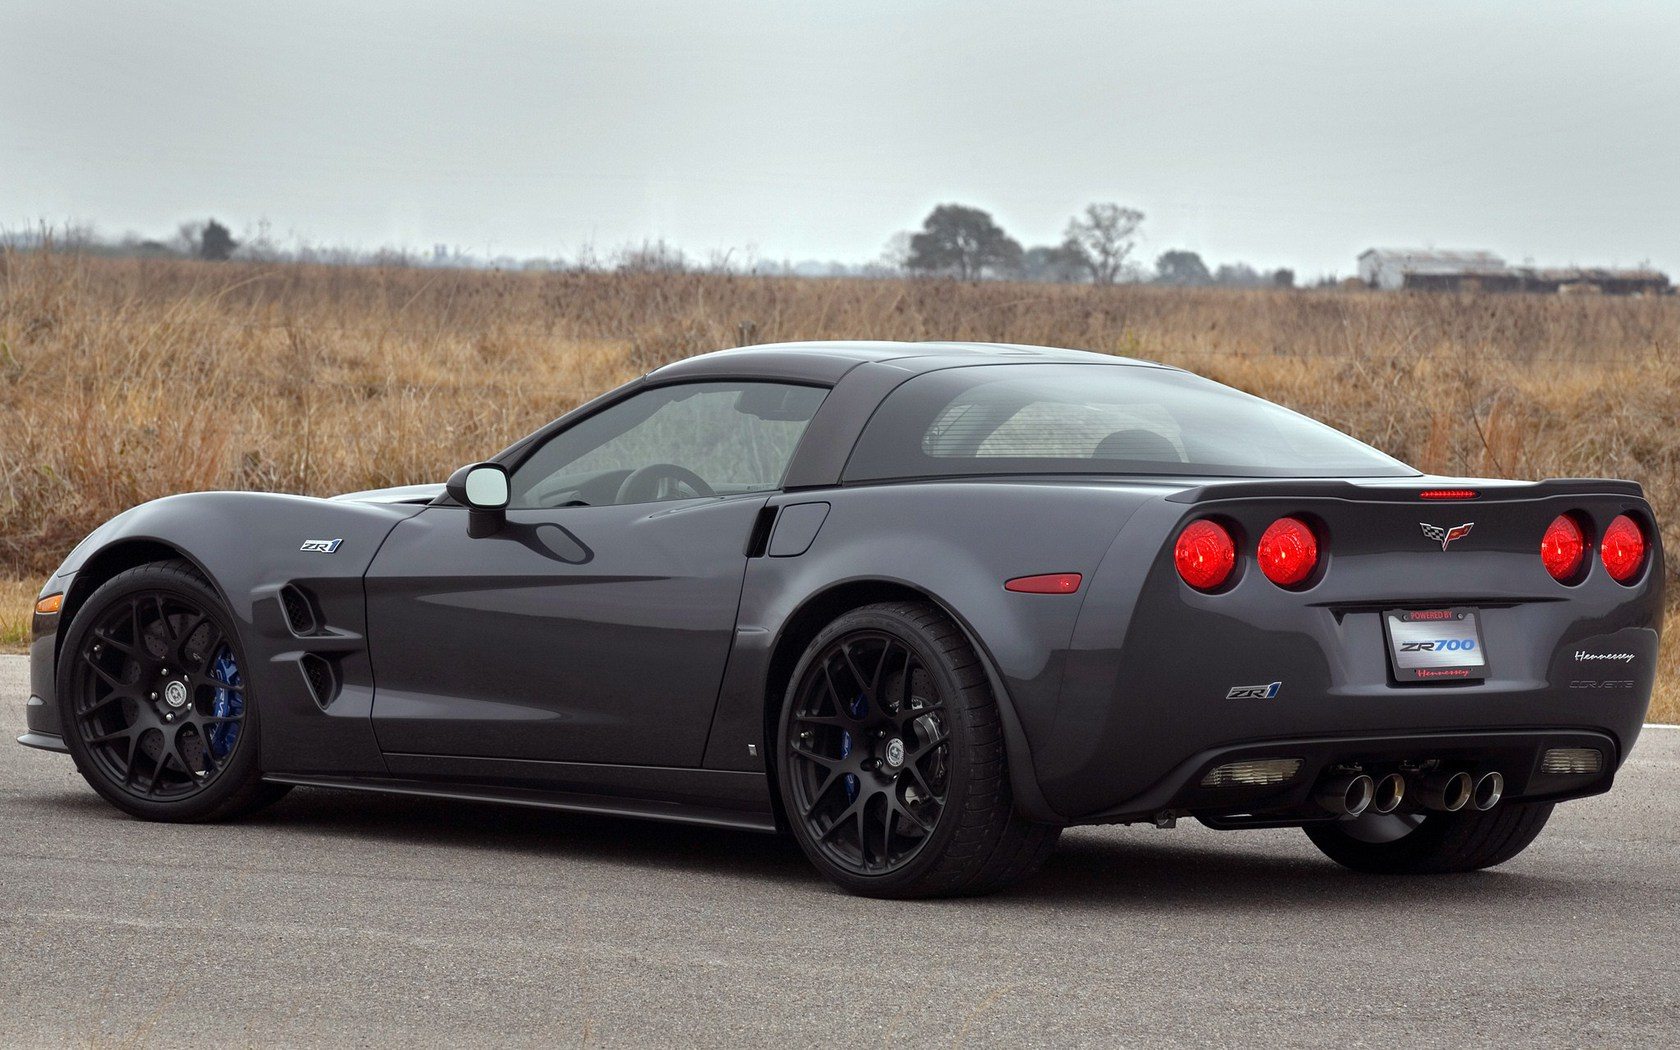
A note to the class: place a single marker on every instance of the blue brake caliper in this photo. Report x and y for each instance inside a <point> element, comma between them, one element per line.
<point>858,706</point>
<point>229,704</point>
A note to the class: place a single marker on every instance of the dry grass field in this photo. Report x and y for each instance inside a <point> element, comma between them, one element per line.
<point>123,380</point>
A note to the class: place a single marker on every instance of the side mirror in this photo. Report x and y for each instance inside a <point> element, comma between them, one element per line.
<point>482,488</point>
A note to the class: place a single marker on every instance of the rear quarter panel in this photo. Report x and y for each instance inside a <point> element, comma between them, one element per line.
<point>955,542</point>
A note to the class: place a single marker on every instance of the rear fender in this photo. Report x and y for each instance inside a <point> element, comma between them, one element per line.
<point>954,544</point>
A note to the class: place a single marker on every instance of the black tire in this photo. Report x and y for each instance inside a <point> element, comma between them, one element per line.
<point>1443,843</point>
<point>124,708</point>
<point>947,795</point>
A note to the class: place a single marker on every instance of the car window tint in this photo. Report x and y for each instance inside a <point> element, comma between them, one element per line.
<point>1057,429</point>
<point>1097,419</point>
<point>732,437</point>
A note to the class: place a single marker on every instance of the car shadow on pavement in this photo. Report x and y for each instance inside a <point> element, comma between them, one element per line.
<point>1143,868</point>
<point>1125,869</point>
<point>450,823</point>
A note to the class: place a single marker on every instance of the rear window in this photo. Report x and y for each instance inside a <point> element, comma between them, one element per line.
<point>1097,419</point>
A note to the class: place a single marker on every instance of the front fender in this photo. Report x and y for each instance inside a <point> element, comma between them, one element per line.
<point>250,546</point>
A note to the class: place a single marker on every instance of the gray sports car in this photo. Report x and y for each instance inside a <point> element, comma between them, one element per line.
<point>921,605</point>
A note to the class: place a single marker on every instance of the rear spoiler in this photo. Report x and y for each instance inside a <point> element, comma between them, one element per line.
<point>1391,490</point>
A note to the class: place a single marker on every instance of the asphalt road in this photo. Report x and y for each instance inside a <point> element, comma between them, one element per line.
<point>350,919</point>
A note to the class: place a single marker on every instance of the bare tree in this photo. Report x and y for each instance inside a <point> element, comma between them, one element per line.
<point>189,237</point>
<point>1102,239</point>
<point>895,257</point>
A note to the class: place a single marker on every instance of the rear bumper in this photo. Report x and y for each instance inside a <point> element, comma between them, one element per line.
<point>1514,753</point>
<point>1158,676</point>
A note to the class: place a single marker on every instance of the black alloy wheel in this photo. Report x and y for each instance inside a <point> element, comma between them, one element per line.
<point>870,753</point>
<point>891,764</point>
<point>155,707</point>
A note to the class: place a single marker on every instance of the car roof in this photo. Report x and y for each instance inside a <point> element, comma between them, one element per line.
<point>827,361</point>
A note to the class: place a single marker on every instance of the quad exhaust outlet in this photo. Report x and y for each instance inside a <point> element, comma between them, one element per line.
<point>1346,796</point>
<point>1490,788</point>
<point>1442,791</point>
<point>1390,792</point>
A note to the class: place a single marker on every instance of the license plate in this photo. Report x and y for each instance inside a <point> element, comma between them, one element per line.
<point>1435,645</point>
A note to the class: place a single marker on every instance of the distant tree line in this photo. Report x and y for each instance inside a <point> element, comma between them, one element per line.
<point>1097,246</point>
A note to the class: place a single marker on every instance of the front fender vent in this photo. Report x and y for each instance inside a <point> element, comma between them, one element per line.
<point>322,676</point>
<point>300,611</point>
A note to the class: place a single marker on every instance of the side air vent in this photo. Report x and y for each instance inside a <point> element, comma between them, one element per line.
<point>300,611</point>
<point>322,677</point>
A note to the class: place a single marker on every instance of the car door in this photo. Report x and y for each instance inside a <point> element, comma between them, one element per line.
<point>595,624</point>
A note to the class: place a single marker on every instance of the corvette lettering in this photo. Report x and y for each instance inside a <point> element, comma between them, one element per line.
<point>1614,683</point>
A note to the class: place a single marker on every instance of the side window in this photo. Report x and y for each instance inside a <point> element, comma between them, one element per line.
<point>675,442</point>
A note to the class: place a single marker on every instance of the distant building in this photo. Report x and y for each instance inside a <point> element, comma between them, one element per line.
<point>1394,269</point>
<point>1596,279</point>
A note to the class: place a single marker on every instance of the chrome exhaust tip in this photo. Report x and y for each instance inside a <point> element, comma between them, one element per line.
<point>1447,792</point>
<point>1346,796</point>
<point>1389,793</point>
<point>1490,788</point>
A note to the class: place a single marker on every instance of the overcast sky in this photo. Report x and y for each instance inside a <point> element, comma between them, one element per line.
<point>1277,133</point>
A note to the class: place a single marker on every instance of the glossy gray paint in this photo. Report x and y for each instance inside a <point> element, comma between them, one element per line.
<point>248,544</point>
<point>627,658</point>
<point>580,634</point>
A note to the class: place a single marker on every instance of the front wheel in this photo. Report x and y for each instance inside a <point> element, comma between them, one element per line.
<point>1431,843</point>
<point>157,711</point>
<point>891,762</point>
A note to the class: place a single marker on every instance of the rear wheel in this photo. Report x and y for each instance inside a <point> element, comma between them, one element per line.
<point>156,710</point>
<point>1431,843</point>
<point>891,761</point>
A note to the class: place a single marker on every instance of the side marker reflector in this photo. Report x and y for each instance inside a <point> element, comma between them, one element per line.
<point>50,604</point>
<point>1052,583</point>
<point>1255,772</point>
<point>1572,760</point>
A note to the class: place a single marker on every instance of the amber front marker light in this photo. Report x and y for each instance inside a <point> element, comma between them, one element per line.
<point>49,605</point>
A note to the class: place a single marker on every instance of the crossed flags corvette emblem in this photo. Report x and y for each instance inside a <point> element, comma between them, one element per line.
<point>1446,536</point>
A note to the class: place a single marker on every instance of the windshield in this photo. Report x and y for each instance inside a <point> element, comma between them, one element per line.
<point>1097,419</point>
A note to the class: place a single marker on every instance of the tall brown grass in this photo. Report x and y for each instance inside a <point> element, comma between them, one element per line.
<point>123,380</point>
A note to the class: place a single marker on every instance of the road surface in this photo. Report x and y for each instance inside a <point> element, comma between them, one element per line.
<point>341,918</point>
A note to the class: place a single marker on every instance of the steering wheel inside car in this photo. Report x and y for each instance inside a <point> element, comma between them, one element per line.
<point>659,481</point>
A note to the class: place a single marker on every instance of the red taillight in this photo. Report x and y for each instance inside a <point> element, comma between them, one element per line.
<point>1562,548</point>
<point>1053,583</point>
<point>1623,549</point>
<point>1288,551</point>
<point>1205,554</point>
<point>1448,494</point>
